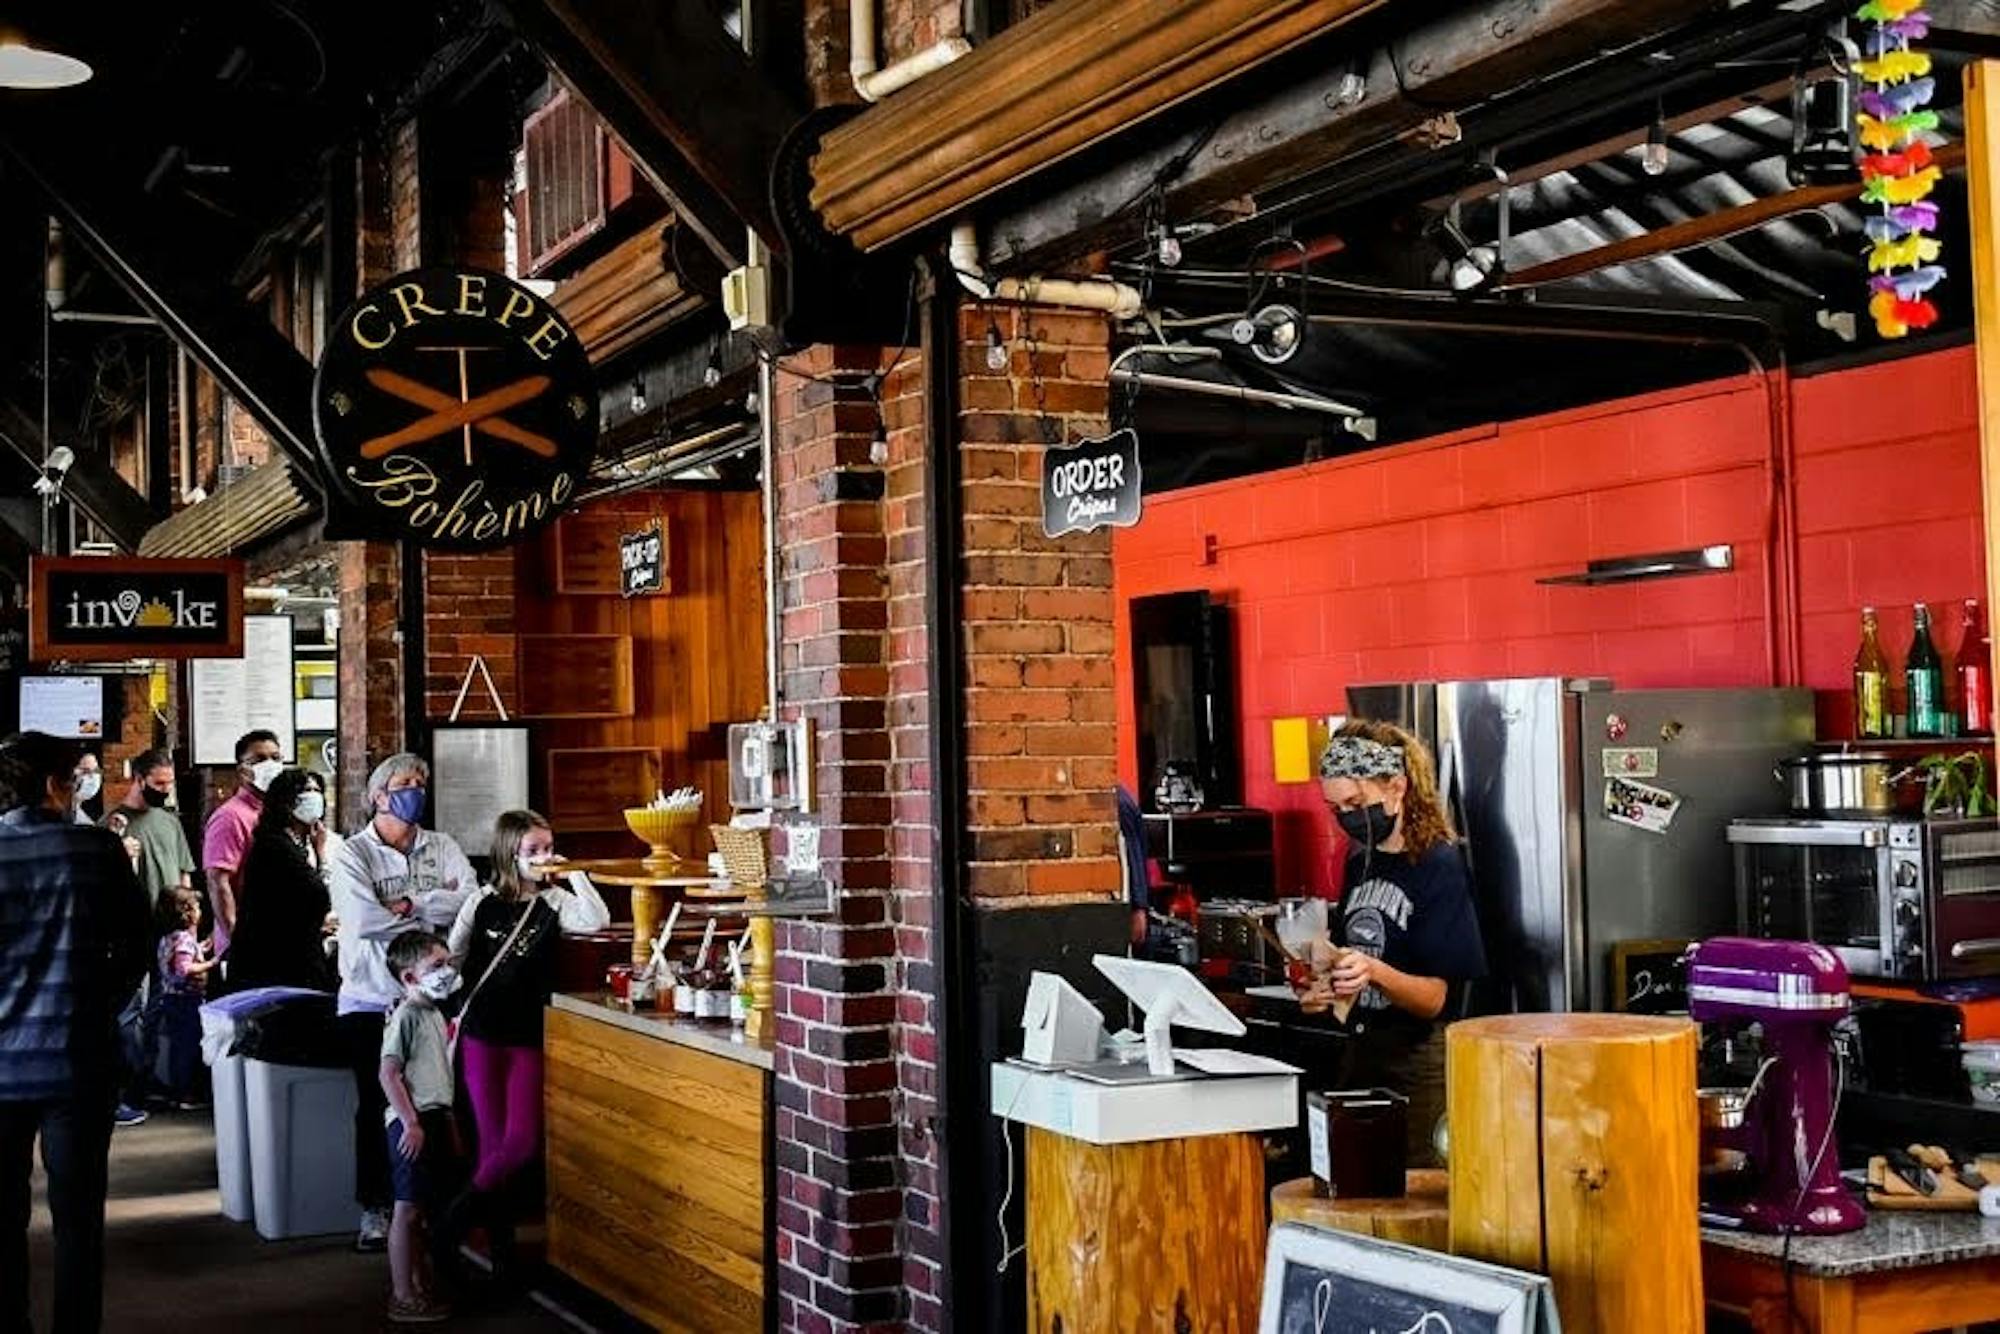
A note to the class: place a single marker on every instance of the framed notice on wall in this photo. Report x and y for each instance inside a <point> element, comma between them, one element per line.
<point>230,696</point>
<point>476,773</point>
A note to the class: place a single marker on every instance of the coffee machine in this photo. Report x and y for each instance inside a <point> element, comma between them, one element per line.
<point>1797,992</point>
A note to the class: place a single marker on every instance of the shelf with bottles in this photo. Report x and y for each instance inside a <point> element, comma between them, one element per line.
<point>1941,705</point>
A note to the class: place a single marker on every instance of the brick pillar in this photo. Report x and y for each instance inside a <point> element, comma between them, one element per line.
<point>837,1140</point>
<point>1041,714</point>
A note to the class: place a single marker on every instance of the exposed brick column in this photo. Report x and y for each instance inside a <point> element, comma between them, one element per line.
<point>1041,712</point>
<point>837,1139</point>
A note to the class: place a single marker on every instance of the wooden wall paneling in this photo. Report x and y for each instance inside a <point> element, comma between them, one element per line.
<point>575,675</point>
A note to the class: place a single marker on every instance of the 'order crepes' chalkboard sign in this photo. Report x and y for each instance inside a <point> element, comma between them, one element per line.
<point>1318,1282</point>
<point>455,408</point>
<point>642,561</point>
<point>104,607</point>
<point>1091,484</point>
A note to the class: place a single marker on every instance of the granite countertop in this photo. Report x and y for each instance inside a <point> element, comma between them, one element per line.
<point>723,1040</point>
<point>1891,1240</point>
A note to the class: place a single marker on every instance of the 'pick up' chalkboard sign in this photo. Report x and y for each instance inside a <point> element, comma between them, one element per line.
<point>642,561</point>
<point>1318,1282</point>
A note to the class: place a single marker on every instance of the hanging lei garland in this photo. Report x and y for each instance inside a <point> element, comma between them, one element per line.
<point>1899,173</point>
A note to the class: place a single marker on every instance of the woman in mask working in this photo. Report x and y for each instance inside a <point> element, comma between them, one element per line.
<point>1407,935</point>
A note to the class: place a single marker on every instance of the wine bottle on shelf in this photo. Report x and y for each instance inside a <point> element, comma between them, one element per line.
<point>1923,679</point>
<point>1871,682</point>
<point>1972,671</point>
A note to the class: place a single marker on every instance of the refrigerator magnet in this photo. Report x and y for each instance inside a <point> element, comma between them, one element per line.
<point>1640,805</point>
<point>1631,761</point>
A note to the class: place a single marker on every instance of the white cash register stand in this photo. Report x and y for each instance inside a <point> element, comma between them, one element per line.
<point>1145,1181</point>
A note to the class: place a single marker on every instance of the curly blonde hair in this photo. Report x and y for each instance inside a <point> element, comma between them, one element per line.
<point>1425,823</point>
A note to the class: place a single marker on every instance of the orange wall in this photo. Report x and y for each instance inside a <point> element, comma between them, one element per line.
<point>1420,561</point>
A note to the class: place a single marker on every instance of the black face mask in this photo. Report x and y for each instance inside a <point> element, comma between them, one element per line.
<point>1366,826</point>
<point>154,797</point>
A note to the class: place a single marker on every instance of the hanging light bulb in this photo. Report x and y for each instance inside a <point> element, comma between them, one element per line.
<point>711,374</point>
<point>1170,248</point>
<point>638,400</point>
<point>996,347</point>
<point>1654,158</point>
<point>25,66</point>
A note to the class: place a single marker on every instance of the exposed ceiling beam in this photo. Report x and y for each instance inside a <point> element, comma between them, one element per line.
<point>234,342</point>
<point>1473,52</point>
<point>702,122</point>
<point>1704,230</point>
<point>91,485</point>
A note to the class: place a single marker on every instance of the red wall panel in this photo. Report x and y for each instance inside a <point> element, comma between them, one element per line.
<point>1421,560</point>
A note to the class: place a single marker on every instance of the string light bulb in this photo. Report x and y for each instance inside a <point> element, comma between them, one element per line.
<point>996,347</point>
<point>1654,157</point>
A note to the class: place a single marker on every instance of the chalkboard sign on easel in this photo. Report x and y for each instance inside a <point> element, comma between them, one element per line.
<point>1318,1282</point>
<point>1649,976</point>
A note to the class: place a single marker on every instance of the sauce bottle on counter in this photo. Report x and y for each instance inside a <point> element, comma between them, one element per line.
<point>1871,682</point>
<point>1972,671</point>
<point>1923,679</point>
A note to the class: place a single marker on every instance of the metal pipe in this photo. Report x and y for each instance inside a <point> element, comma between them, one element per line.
<point>954,976</point>
<point>1119,300</point>
<point>100,317</point>
<point>767,412</point>
<point>1157,380</point>
<point>875,83</point>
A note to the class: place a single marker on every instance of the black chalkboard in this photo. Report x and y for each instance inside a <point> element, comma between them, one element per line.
<point>1649,976</point>
<point>1318,1282</point>
<point>642,561</point>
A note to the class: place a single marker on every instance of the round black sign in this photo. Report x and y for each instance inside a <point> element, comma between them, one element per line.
<point>455,408</point>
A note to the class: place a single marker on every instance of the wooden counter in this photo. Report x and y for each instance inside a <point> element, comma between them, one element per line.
<point>1903,1271</point>
<point>660,1166</point>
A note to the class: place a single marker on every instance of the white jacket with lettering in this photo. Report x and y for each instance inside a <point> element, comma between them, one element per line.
<point>366,873</point>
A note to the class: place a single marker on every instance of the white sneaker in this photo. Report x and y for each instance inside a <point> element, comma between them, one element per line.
<point>374,1233</point>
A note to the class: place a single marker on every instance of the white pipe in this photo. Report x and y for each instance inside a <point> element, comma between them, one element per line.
<point>875,83</point>
<point>1116,299</point>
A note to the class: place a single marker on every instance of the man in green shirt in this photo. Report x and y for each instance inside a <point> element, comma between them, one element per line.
<point>165,859</point>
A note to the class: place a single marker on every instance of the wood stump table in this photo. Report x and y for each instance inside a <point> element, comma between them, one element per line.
<point>1420,1218</point>
<point>1573,1154</point>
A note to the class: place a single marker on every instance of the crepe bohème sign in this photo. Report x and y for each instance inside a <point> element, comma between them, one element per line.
<point>456,408</point>
<point>100,607</point>
<point>1092,484</point>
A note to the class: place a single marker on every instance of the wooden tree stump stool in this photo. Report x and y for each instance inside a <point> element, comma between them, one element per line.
<point>1573,1154</point>
<point>1419,1218</point>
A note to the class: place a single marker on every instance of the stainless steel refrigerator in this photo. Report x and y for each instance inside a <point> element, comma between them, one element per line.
<point>1561,872</point>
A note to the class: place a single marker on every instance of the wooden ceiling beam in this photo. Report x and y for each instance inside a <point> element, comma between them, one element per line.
<point>1454,60</point>
<point>1704,230</point>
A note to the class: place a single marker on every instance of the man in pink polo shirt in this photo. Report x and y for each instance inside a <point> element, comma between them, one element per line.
<point>226,841</point>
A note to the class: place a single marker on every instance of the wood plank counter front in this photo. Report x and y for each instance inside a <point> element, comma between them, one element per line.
<point>659,1166</point>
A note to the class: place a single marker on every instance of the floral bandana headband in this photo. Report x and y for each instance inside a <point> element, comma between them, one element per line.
<point>1358,757</point>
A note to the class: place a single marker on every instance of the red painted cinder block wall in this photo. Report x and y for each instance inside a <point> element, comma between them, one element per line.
<point>1421,561</point>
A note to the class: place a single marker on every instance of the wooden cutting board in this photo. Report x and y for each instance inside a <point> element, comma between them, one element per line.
<point>1886,1190</point>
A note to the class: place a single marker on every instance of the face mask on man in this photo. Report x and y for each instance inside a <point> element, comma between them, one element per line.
<point>1367,826</point>
<point>263,771</point>
<point>155,798</point>
<point>406,804</point>
<point>310,808</point>
<point>438,983</point>
<point>88,785</point>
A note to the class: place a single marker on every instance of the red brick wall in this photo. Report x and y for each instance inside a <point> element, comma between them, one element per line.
<point>468,612</point>
<point>1421,561</point>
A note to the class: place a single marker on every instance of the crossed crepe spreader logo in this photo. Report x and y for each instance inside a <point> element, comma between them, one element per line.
<point>464,413</point>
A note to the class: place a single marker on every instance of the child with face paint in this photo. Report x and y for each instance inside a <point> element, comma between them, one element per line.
<point>1407,929</point>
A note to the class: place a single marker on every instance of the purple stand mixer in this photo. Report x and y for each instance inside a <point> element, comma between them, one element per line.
<point>1798,993</point>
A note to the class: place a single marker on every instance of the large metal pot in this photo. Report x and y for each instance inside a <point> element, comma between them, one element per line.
<point>1844,783</point>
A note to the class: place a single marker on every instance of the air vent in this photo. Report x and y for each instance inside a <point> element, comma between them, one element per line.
<point>566,199</point>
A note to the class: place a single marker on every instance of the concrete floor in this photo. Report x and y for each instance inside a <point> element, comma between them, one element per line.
<point>176,1263</point>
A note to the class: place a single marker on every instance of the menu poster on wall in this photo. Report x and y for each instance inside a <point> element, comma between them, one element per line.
<point>64,706</point>
<point>476,773</point>
<point>230,696</point>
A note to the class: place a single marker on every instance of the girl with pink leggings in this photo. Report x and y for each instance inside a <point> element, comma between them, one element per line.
<point>506,938</point>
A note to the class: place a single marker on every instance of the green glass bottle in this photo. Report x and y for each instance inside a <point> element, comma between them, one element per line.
<point>1871,682</point>
<point>1923,679</point>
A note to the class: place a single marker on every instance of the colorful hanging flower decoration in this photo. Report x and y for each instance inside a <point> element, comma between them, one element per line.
<point>1899,172</point>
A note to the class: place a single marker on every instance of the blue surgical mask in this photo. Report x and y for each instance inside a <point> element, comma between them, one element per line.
<point>407,804</point>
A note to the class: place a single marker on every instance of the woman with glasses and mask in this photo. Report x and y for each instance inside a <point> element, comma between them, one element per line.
<point>281,910</point>
<point>1407,936</point>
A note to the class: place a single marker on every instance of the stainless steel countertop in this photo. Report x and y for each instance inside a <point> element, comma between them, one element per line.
<point>731,1044</point>
<point>1891,1240</point>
